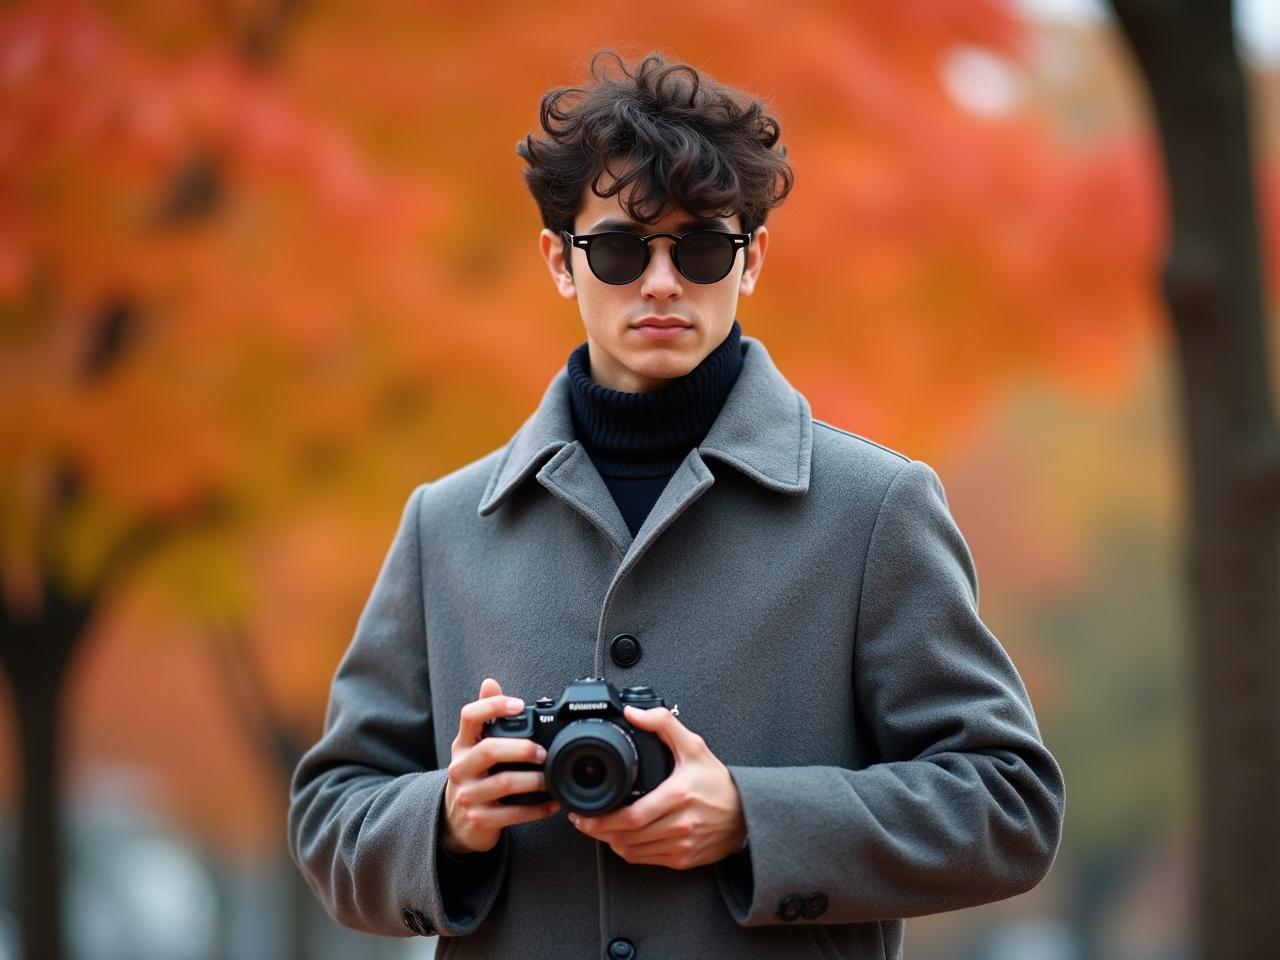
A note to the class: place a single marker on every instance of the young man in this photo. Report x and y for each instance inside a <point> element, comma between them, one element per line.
<point>852,744</point>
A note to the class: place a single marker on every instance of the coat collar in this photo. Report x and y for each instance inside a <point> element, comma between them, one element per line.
<point>765,431</point>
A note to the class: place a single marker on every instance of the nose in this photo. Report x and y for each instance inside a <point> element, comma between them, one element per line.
<point>660,280</point>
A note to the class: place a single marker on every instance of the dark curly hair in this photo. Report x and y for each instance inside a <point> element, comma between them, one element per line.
<point>682,139</point>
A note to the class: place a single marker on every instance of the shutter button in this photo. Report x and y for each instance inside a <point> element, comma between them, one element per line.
<point>625,650</point>
<point>622,949</point>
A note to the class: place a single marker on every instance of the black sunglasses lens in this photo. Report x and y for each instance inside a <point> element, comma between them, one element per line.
<point>616,257</point>
<point>705,257</point>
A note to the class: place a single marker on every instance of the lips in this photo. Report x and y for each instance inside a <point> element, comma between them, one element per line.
<point>662,322</point>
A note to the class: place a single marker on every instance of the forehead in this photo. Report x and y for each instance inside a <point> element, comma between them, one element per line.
<point>610,213</point>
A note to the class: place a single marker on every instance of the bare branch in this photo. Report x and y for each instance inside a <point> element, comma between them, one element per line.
<point>252,700</point>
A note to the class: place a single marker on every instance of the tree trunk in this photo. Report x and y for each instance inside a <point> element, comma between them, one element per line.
<point>36,655</point>
<point>40,854</point>
<point>1212,282</point>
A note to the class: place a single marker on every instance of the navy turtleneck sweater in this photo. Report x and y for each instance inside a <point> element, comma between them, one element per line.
<point>637,440</point>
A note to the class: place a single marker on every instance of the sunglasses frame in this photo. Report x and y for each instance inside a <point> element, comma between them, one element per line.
<point>583,242</point>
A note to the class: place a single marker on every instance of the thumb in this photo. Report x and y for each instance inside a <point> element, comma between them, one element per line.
<point>682,741</point>
<point>490,688</point>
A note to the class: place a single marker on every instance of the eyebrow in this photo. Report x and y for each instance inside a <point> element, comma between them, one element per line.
<point>629,226</point>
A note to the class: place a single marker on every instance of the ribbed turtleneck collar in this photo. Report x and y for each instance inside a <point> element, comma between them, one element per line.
<point>660,425</point>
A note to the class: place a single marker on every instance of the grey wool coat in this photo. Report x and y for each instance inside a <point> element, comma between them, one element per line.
<point>801,593</point>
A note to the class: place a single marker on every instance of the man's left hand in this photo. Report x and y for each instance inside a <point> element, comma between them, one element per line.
<point>694,817</point>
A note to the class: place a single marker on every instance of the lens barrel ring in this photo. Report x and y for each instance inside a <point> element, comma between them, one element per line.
<point>591,766</point>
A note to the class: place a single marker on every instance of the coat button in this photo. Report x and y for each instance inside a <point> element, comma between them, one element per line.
<point>625,650</point>
<point>790,908</point>
<point>815,906</point>
<point>621,949</point>
<point>410,921</point>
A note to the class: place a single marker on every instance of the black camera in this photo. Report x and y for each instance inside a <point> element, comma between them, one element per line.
<point>596,761</point>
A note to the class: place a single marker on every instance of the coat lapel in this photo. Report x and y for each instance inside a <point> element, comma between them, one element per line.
<point>766,428</point>
<point>765,431</point>
<point>545,447</point>
<point>690,481</point>
<point>571,476</point>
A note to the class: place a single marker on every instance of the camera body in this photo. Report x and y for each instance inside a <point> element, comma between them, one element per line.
<point>596,761</point>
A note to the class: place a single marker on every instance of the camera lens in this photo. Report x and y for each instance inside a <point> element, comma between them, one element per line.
<point>591,766</point>
<point>588,772</point>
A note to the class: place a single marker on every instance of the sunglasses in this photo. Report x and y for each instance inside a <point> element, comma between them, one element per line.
<point>702,256</point>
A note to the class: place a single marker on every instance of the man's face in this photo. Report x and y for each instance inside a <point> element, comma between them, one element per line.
<point>629,351</point>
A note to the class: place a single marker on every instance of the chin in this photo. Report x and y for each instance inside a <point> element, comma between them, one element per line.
<point>666,367</point>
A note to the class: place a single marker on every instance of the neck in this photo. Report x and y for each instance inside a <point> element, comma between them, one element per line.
<point>656,424</point>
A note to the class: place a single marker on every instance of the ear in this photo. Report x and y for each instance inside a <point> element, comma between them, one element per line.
<point>755,260</point>
<point>552,247</point>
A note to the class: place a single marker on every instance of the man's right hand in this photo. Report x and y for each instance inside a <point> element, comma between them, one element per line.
<point>474,819</point>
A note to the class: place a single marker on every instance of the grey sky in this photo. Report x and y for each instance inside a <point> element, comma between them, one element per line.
<point>1257,22</point>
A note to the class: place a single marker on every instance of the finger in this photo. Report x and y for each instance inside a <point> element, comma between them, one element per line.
<point>472,762</point>
<point>674,854</point>
<point>488,790</point>
<point>662,800</point>
<point>506,814</point>
<point>490,687</point>
<point>474,715</point>
<point>680,740</point>
<point>671,828</point>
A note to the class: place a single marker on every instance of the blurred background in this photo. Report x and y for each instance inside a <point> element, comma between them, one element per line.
<point>264,267</point>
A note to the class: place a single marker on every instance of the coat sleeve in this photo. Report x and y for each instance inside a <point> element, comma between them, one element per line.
<point>963,804</point>
<point>366,801</point>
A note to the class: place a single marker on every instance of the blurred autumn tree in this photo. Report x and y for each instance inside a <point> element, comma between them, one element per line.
<point>189,349</point>
<point>265,266</point>
<point>1214,282</point>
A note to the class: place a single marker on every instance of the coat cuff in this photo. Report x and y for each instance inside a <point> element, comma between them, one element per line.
<point>470,881</point>
<point>777,837</point>
<point>376,847</point>
<point>464,887</point>
<point>894,840</point>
